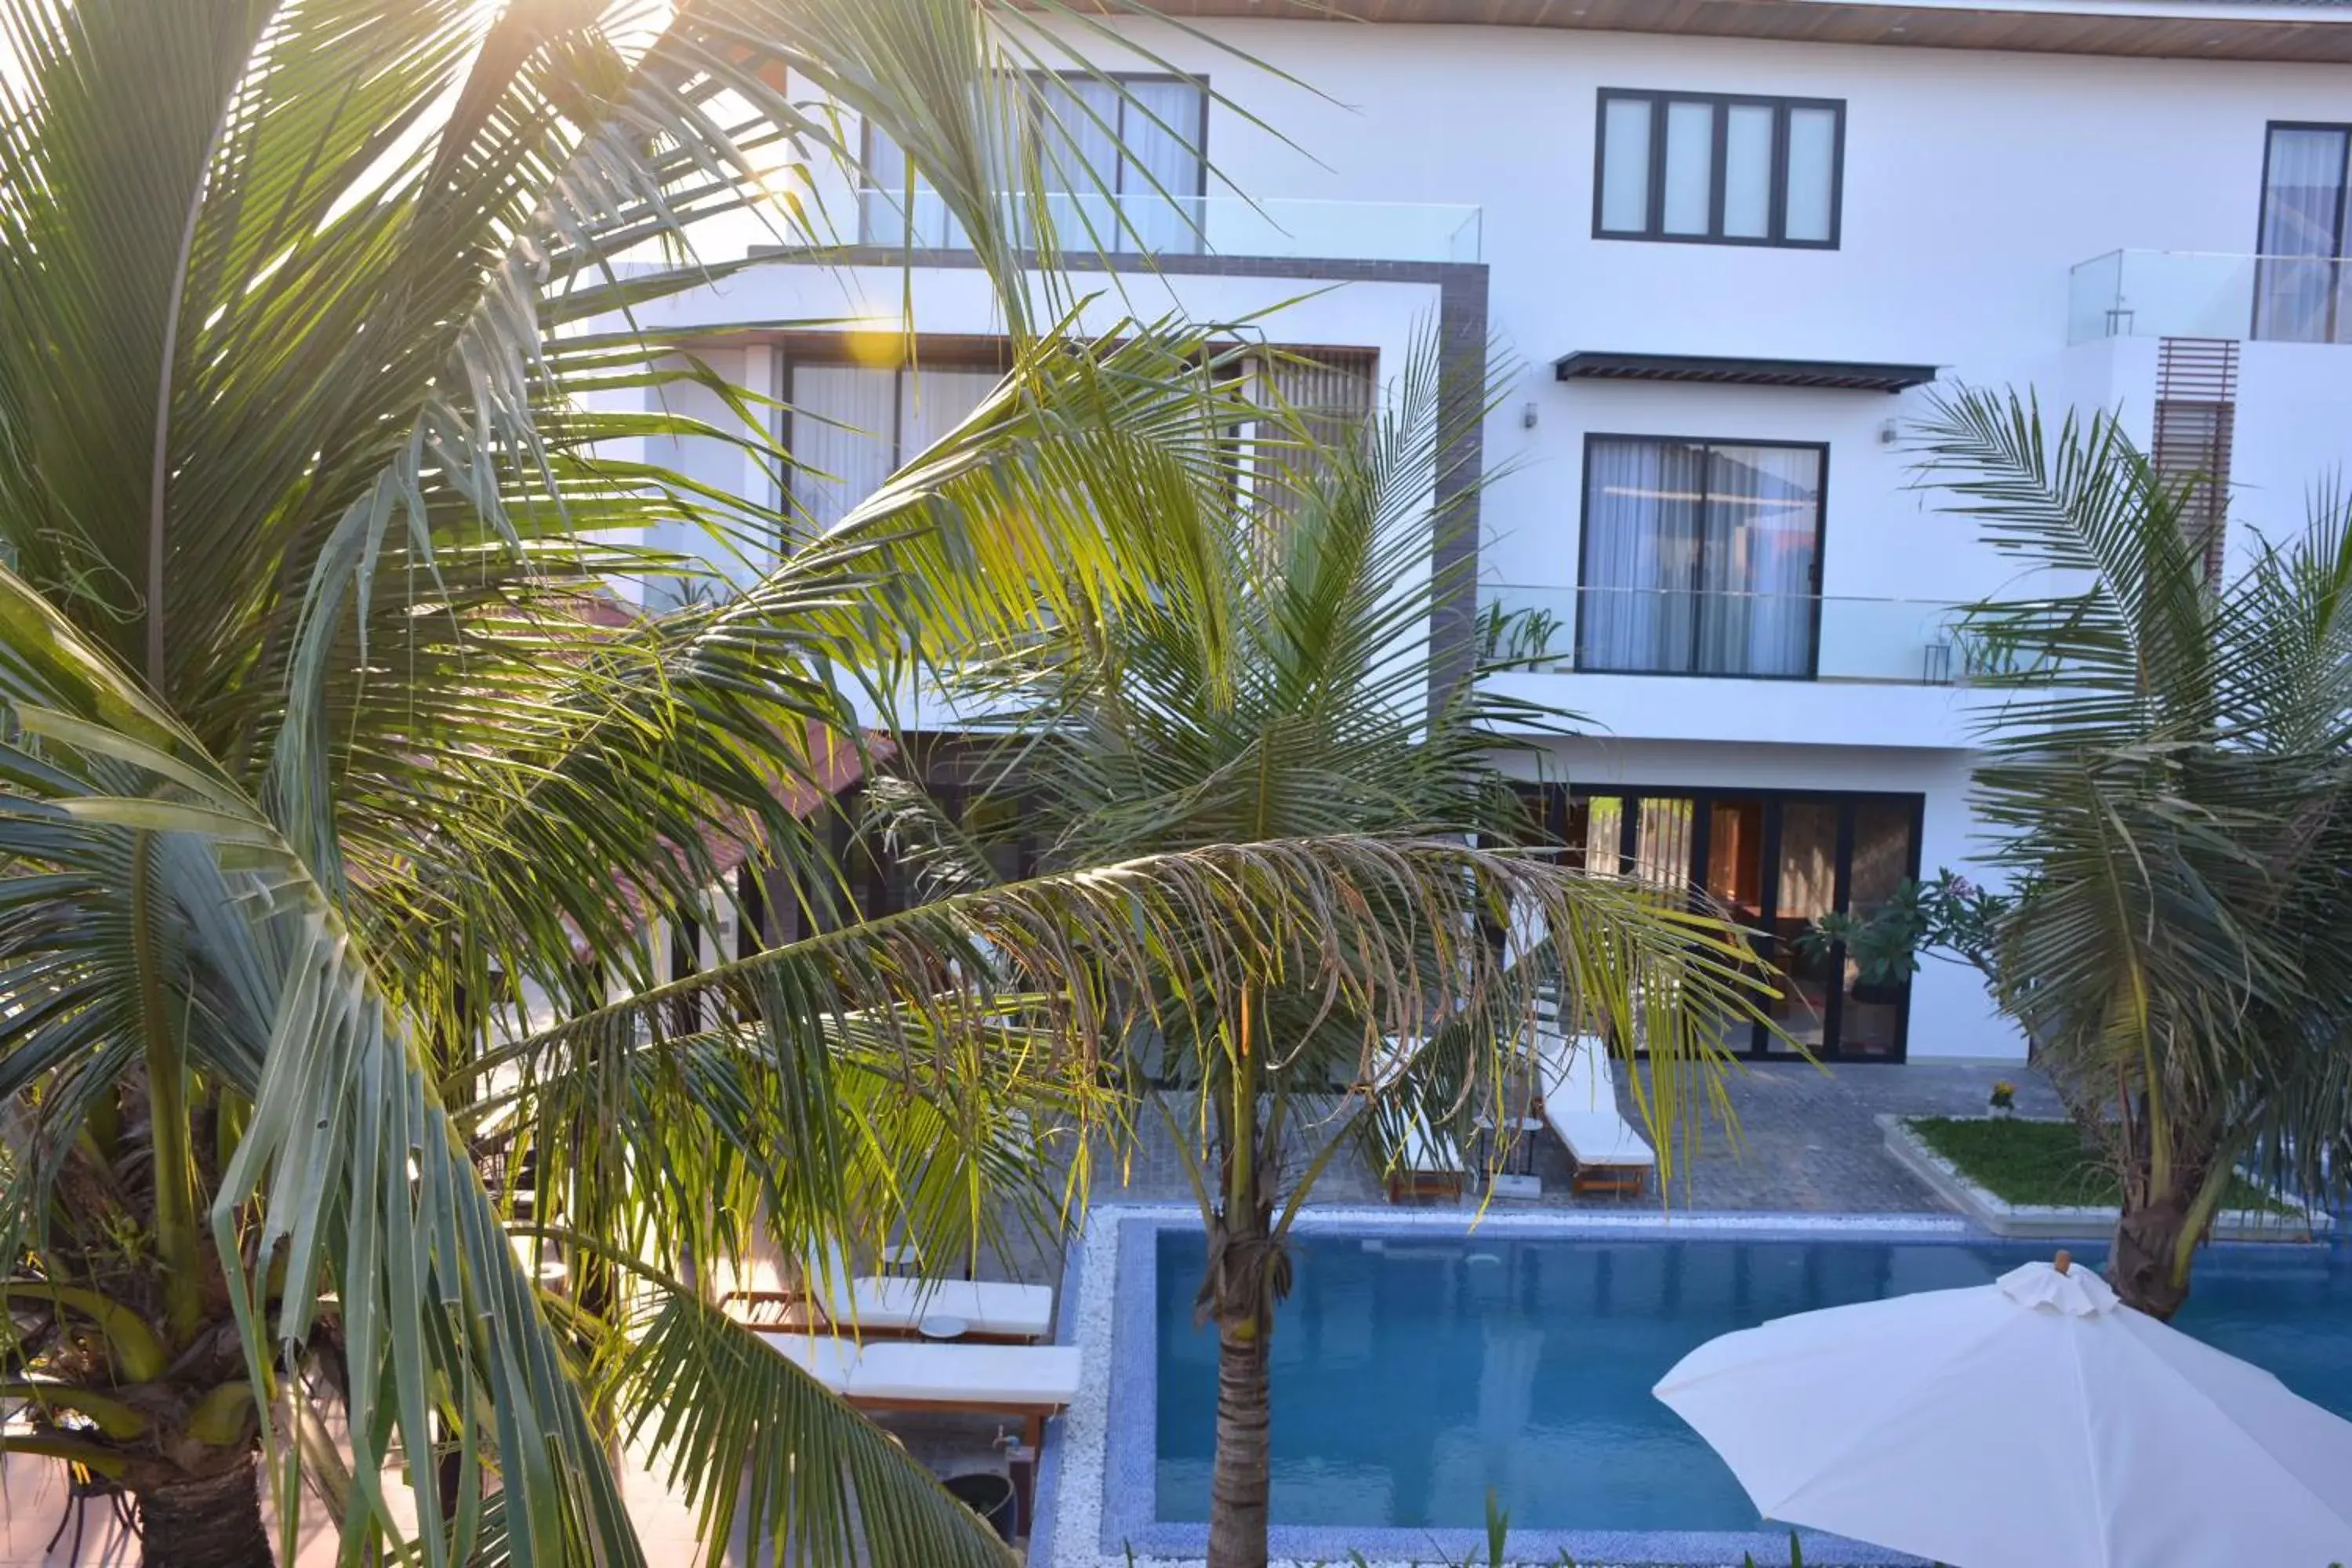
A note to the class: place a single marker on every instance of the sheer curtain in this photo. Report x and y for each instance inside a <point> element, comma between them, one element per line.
<point>933,402</point>
<point>1634,610</point>
<point>842,420</point>
<point>1699,560</point>
<point>2303,227</point>
<point>1077,157</point>
<point>888,214</point>
<point>1761,539</point>
<point>1159,178</point>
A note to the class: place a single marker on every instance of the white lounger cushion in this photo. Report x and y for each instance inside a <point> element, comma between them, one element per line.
<point>1425,1153</point>
<point>1579,1102</point>
<point>897,1306</point>
<point>913,1372</point>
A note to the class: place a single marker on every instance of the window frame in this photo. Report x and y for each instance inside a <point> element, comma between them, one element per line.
<point>2336,262</point>
<point>1719,103</point>
<point>1199,134</point>
<point>838,351</point>
<point>1812,670</point>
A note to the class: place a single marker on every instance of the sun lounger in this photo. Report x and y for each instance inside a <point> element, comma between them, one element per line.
<point>877,1307</point>
<point>1579,1105</point>
<point>1428,1163</point>
<point>1033,1382</point>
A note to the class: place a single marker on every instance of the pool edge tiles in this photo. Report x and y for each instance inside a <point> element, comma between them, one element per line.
<point>1107,1495</point>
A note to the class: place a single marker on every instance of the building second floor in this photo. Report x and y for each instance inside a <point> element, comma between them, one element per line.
<point>1711,281</point>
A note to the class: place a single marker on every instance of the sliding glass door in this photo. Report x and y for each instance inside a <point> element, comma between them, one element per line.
<point>1775,862</point>
<point>1699,558</point>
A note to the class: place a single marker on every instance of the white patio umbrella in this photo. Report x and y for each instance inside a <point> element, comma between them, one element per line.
<point>2033,1423</point>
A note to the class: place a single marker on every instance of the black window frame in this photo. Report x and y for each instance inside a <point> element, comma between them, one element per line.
<point>1721,102</point>
<point>1200,138</point>
<point>2256,328</point>
<point>1812,670</point>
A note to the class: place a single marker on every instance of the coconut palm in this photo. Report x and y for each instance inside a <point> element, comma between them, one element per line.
<point>338,791</point>
<point>2169,776</point>
<point>1338,719</point>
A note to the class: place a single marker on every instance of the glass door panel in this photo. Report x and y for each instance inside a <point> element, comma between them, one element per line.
<point>1732,876</point>
<point>1869,1023</point>
<point>1596,830</point>
<point>1734,873</point>
<point>1807,890</point>
<point>1662,847</point>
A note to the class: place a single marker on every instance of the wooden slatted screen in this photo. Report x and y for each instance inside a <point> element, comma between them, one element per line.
<point>2196,409</point>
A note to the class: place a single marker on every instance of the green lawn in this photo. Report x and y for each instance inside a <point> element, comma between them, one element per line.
<point>2043,1163</point>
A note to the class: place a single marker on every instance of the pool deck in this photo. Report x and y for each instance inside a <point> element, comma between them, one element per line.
<point>1807,1141</point>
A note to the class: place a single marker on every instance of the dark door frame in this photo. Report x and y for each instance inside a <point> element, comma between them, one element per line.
<point>1556,800</point>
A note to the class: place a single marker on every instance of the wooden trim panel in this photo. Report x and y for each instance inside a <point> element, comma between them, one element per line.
<point>2141,33</point>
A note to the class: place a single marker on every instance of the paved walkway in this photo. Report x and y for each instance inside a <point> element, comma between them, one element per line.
<point>1800,1138</point>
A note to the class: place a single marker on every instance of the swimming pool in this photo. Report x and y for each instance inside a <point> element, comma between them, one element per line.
<point>1416,1368</point>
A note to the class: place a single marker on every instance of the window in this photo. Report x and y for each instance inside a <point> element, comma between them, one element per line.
<point>1121,157</point>
<point>850,426</point>
<point>2299,283</point>
<point>1706,169</point>
<point>1699,557</point>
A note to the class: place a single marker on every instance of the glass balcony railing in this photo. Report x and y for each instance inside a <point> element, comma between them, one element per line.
<point>1155,225</point>
<point>1779,637</point>
<point>2206,294</point>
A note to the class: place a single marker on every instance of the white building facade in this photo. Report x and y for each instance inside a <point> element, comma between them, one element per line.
<point>1720,251</point>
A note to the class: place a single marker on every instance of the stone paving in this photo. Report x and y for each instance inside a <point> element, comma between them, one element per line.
<point>1801,1137</point>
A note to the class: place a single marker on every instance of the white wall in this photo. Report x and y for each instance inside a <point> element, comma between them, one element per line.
<point>2293,438</point>
<point>1973,183</point>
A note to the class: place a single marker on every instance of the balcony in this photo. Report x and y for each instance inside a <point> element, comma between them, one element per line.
<point>1154,225</point>
<point>2208,294</point>
<point>1749,637</point>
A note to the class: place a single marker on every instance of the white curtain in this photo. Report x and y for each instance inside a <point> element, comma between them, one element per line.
<point>933,402</point>
<point>888,214</point>
<point>2303,225</point>
<point>1640,523</point>
<point>1761,539</point>
<point>1077,157</point>
<point>1699,560</point>
<point>842,420</point>
<point>853,427</point>
<point>1159,178</point>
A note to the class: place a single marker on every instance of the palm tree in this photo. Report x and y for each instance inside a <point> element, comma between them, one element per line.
<point>2170,780</point>
<point>332,774</point>
<point>1337,719</point>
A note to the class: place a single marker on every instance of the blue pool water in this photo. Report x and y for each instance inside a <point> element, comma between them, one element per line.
<point>1411,1375</point>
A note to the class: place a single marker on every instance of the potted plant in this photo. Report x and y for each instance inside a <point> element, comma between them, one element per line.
<point>1885,942</point>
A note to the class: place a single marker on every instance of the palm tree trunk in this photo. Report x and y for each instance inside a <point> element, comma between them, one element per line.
<point>1243,1472</point>
<point>2140,1263</point>
<point>211,1520</point>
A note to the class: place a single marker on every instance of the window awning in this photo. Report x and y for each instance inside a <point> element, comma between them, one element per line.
<point>1852,375</point>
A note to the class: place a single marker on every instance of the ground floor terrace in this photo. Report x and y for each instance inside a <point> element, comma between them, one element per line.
<point>1805,1142</point>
